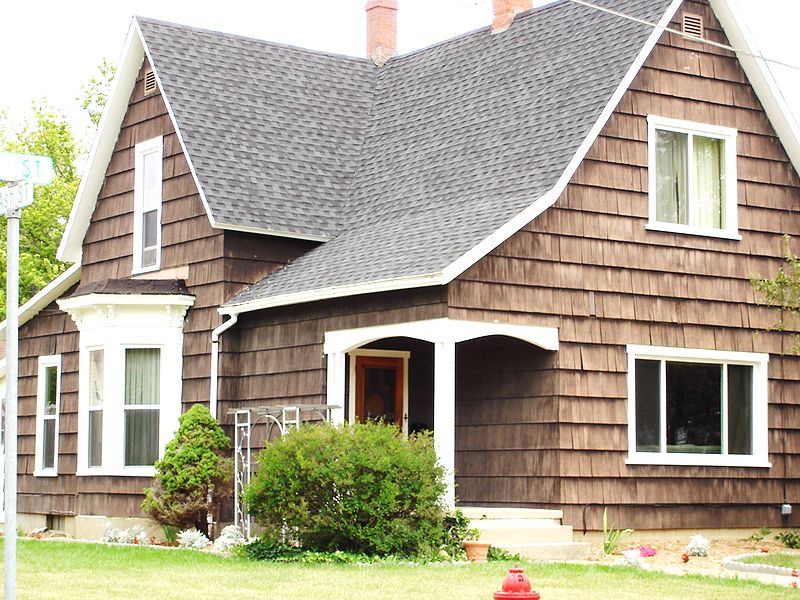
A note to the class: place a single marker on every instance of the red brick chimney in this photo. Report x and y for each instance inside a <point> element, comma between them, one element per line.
<point>381,30</point>
<point>505,11</point>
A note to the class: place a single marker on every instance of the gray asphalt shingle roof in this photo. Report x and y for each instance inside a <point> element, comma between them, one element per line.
<point>406,167</point>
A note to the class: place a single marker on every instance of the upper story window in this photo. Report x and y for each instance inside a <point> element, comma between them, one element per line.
<point>147,205</point>
<point>47,412</point>
<point>692,178</point>
<point>697,407</point>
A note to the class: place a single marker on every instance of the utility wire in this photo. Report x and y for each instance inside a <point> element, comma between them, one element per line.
<point>622,15</point>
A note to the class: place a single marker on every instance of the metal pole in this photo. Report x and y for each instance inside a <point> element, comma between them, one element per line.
<point>12,351</point>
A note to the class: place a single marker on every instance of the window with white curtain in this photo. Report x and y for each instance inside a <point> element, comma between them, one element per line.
<point>142,400</point>
<point>95,408</point>
<point>692,178</point>
<point>147,192</point>
<point>47,414</point>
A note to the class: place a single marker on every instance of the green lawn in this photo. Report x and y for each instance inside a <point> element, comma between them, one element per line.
<point>777,559</point>
<point>67,571</point>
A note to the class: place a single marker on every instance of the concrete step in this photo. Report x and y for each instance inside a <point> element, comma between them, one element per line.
<point>551,550</point>
<point>486,512</point>
<point>527,534</point>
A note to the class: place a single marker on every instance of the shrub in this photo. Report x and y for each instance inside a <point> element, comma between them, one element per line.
<point>358,488</point>
<point>456,532</point>
<point>230,537</point>
<point>192,538</point>
<point>698,546</point>
<point>193,477</point>
<point>790,538</point>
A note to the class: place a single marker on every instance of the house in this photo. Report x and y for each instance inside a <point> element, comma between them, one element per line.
<point>534,239</point>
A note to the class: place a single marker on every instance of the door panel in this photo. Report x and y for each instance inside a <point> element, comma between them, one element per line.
<point>379,389</point>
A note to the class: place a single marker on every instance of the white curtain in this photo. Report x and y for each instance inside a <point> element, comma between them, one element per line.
<point>142,383</point>
<point>672,187</point>
<point>709,183</point>
<point>96,370</point>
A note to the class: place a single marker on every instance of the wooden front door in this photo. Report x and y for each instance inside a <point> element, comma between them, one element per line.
<point>379,389</point>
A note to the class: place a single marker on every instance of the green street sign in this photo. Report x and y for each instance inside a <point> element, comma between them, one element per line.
<point>28,167</point>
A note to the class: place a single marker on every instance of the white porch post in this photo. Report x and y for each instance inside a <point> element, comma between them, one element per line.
<point>444,413</point>
<point>336,386</point>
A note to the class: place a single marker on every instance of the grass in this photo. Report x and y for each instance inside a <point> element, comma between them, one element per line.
<point>72,571</point>
<point>777,559</point>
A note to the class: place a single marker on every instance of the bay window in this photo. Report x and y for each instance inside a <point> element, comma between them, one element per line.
<point>697,407</point>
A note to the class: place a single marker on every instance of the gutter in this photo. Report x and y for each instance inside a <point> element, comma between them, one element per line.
<point>212,399</point>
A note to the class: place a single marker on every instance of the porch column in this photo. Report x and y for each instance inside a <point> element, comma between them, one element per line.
<point>444,413</point>
<point>335,394</point>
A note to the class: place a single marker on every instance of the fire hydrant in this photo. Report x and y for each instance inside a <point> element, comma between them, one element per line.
<point>516,586</point>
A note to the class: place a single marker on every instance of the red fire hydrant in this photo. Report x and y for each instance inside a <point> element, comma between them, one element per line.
<point>516,586</point>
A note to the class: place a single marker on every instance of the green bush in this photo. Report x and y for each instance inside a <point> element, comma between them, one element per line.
<point>790,538</point>
<point>357,488</point>
<point>193,477</point>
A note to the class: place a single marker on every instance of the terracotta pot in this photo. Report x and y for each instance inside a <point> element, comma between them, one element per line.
<point>477,551</point>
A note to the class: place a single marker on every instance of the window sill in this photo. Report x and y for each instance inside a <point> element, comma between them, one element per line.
<point>123,472</point>
<point>698,460</point>
<point>140,270</point>
<point>725,234</point>
<point>47,473</point>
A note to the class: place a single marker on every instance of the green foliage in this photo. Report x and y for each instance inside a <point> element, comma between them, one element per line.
<point>612,537</point>
<point>790,538</point>
<point>500,554</point>
<point>456,532</point>
<point>193,477</point>
<point>759,535</point>
<point>358,488</point>
<point>49,134</point>
<point>783,291</point>
<point>275,550</point>
<point>170,533</point>
<point>94,92</point>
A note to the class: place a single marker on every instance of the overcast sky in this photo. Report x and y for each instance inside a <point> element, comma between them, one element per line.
<point>49,48</point>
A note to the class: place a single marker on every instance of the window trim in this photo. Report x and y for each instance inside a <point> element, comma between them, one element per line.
<point>759,362</point>
<point>691,128</point>
<point>141,150</point>
<point>46,362</point>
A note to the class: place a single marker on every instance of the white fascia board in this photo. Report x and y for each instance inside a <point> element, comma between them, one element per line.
<point>371,287</point>
<point>46,295</point>
<point>274,232</point>
<point>125,300</point>
<point>761,77</point>
<point>547,200</point>
<point>105,139</point>
<point>175,125</point>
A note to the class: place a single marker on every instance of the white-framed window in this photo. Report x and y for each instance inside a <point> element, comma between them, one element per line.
<point>130,381</point>
<point>147,205</point>
<point>697,407</point>
<point>692,178</point>
<point>48,408</point>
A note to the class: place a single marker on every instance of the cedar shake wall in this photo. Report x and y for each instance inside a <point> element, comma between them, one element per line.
<point>220,263</point>
<point>588,267</point>
<point>276,354</point>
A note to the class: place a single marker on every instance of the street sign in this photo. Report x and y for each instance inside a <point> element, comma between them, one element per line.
<point>17,195</point>
<point>36,169</point>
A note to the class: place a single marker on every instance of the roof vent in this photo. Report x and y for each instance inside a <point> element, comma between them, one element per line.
<point>692,25</point>
<point>149,82</point>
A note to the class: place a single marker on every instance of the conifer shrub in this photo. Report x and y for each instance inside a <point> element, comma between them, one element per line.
<point>359,488</point>
<point>194,475</point>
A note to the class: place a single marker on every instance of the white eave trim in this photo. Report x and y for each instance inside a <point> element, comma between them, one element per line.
<point>68,304</point>
<point>370,287</point>
<point>46,295</point>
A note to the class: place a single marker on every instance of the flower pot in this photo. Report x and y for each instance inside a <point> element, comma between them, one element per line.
<point>477,551</point>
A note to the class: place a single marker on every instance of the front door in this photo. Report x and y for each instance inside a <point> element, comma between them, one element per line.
<point>379,389</point>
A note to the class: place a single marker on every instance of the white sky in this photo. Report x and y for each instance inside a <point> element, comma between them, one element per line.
<point>51,47</point>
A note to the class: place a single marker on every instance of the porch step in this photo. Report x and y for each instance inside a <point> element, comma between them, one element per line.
<point>530,532</point>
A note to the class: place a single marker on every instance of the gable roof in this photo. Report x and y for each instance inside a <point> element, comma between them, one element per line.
<point>413,171</point>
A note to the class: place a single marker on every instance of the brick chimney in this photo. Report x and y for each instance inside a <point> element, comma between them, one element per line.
<point>505,11</point>
<point>381,30</point>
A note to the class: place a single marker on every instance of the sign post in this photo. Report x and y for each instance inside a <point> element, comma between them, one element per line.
<point>12,199</point>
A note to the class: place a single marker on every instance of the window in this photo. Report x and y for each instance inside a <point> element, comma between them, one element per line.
<point>697,407</point>
<point>147,206</point>
<point>96,395</point>
<point>130,385</point>
<point>47,412</point>
<point>692,178</point>
<point>142,393</point>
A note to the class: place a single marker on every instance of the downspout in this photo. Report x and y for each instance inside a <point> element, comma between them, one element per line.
<point>212,402</point>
